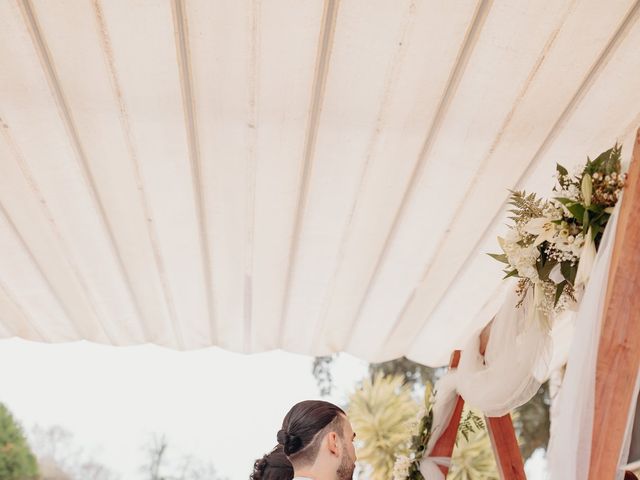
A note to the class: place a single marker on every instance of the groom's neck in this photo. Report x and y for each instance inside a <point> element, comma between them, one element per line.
<point>313,474</point>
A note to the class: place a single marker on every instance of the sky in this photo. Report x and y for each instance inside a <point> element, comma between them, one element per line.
<point>216,405</point>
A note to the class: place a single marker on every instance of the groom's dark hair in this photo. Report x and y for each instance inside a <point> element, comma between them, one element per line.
<point>302,425</point>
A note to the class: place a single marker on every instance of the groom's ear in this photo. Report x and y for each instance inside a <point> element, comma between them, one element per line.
<point>332,443</point>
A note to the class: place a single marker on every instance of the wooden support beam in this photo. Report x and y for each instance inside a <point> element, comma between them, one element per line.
<point>619,348</point>
<point>446,442</point>
<point>501,432</point>
<point>505,448</point>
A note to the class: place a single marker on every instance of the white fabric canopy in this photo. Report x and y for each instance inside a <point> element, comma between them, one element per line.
<point>306,175</point>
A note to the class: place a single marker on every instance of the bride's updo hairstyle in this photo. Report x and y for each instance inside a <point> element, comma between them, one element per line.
<point>300,435</point>
<point>273,466</point>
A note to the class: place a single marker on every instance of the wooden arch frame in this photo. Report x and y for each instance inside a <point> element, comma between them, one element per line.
<point>618,363</point>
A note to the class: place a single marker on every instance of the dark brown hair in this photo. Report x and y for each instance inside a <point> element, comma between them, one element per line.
<point>303,423</point>
<point>273,466</point>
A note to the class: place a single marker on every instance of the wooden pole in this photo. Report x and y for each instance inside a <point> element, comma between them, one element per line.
<point>501,432</point>
<point>619,348</point>
<point>446,442</point>
<point>505,448</point>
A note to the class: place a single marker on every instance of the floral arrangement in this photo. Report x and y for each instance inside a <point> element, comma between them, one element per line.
<point>407,467</point>
<point>551,244</point>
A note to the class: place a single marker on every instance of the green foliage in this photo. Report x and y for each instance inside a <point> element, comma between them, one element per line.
<point>473,457</point>
<point>607,162</point>
<point>525,206</point>
<point>17,462</point>
<point>322,373</point>
<point>414,373</point>
<point>471,423</point>
<point>532,422</point>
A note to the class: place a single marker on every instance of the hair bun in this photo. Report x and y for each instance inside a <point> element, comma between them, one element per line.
<point>291,443</point>
<point>259,467</point>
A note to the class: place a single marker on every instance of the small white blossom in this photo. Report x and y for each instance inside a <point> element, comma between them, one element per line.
<point>401,467</point>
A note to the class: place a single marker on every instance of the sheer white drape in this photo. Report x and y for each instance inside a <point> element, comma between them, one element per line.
<point>515,364</point>
<point>571,428</point>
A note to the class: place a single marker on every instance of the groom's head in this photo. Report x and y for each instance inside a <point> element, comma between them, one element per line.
<point>317,437</point>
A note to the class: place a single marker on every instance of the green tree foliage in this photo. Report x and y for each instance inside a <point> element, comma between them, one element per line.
<point>532,422</point>
<point>161,465</point>
<point>16,460</point>
<point>322,373</point>
<point>414,373</point>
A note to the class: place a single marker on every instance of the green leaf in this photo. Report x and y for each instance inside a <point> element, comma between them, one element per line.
<point>546,268</point>
<point>576,210</point>
<point>561,170</point>
<point>559,290</point>
<point>500,257</point>
<point>595,208</point>
<point>585,221</point>
<point>512,273</point>
<point>569,271</point>
<point>599,160</point>
<point>607,162</point>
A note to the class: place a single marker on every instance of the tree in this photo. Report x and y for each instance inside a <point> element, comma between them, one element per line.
<point>532,422</point>
<point>156,452</point>
<point>61,459</point>
<point>159,466</point>
<point>322,373</point>
<point>414,373</point>
<point>17,462</point>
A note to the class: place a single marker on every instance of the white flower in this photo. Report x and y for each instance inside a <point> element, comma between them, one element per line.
<point>587,256</point>
<point>512,236</point>
<point>556,275</point>
<point>552,212</point>
<point>521,258</point>
<point>420,415</point>
<point>401,467</point>
<point>529,272</point>
<point>572,192</point>
<point>543,228</point>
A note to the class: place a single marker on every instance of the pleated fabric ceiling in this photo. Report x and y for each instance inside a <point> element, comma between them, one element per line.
<point>309,175</point>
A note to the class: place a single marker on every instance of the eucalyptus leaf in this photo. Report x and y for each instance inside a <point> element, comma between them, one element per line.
<point>500,257</point>
<point>546,268</point>
<point>512,273</point>
<point>559,290</point>
<point>561,170</point>
<point>569,271</point>
<point>585,221</point>
<point>576,210</point>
